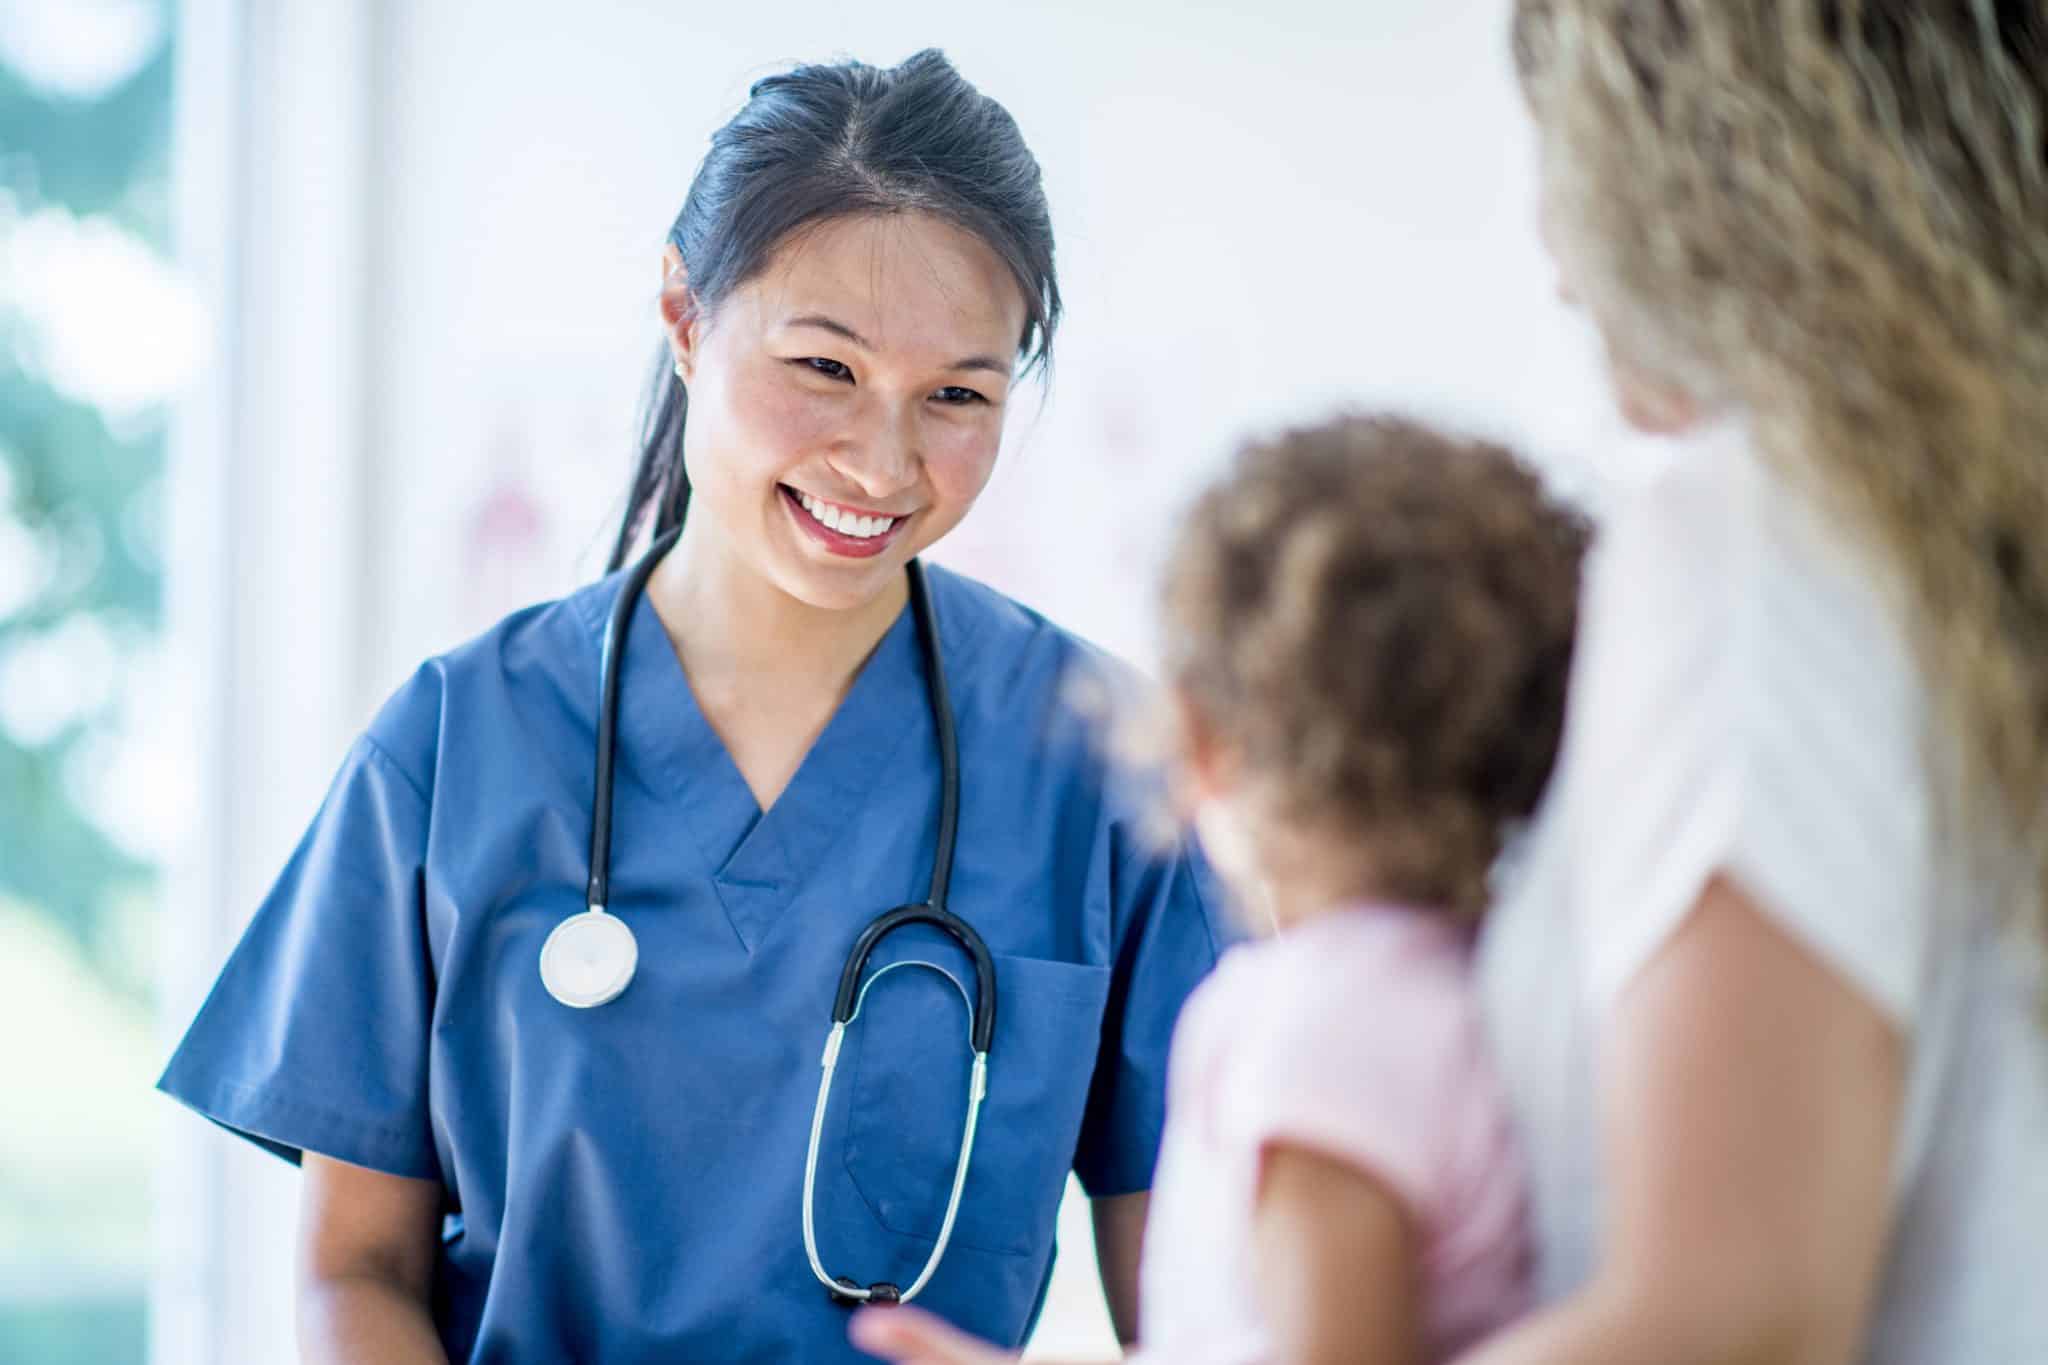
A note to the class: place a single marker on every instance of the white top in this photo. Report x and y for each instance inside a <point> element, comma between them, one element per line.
<point>1356,1034</point>
<point>1744,700</point>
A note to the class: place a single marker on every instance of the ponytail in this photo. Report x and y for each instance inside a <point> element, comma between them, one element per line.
<point>660,481</point>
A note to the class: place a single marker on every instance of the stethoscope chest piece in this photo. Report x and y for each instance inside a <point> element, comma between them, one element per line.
<point>588,959</point>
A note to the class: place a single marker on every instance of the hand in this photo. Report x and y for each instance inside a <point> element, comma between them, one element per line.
<point>911,1336</point>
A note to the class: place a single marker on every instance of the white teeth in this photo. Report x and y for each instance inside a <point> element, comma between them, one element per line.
<point>846,523</point>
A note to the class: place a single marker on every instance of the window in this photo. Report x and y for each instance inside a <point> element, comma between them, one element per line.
<point>96,334</point>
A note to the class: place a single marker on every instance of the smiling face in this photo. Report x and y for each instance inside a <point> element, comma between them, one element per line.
<point>846,404</point>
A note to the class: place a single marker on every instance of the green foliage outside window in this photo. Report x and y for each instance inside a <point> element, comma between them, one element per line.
<point>83,174</point>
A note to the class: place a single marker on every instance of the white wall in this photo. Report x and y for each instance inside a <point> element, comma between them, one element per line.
<point>1262,210</point>
<point>430,236</point>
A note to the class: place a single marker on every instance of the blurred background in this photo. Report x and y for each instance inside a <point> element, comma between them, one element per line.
<point>322,329</point>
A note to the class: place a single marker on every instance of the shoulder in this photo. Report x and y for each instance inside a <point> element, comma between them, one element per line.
<point>540,659</point>
<point>1745,701</point>
<point>1358,1034</point>
<point>1725,613</point>
<point>1007,641</point>
<point>1670,567</point>
<point>1358,991</point>
<point>1014,673</point>
<point>1712,546</point>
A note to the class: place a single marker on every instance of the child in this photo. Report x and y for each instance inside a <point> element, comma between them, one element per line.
<point>1370,628</point>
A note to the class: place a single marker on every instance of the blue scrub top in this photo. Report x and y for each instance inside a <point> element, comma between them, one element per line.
<point>625,1183</point>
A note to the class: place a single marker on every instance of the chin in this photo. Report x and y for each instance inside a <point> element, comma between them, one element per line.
<point>1652,422</point>
<point>839,587</point>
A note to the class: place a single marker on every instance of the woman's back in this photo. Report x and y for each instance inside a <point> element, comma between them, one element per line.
<point>1745,701</point>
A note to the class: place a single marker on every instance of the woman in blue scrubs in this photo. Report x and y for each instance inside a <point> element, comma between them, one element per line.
<point>862,271</point>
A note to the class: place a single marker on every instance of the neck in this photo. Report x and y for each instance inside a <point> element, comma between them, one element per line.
<point>1303,878</point>
<point>733,627</point>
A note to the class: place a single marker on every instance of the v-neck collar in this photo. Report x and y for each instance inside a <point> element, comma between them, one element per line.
<point>757,860</point>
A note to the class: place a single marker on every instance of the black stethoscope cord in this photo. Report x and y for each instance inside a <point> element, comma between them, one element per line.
<point>599,891</point>
<point>589,959</point>
<point>597,894</point>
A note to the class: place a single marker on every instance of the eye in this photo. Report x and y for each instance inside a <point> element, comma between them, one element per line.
<point>831,369</point>
<point>954,395</point>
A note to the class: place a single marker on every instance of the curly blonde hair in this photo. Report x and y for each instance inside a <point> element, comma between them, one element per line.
<point>1834,215</point>
<point>1375,622</point>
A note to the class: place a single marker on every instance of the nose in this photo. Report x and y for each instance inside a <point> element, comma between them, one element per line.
<point>881,458</point>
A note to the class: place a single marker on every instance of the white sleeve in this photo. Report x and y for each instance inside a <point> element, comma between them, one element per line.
<point>1744,702</point>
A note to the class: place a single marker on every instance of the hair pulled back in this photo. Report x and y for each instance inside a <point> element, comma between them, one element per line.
<point>843,140</point>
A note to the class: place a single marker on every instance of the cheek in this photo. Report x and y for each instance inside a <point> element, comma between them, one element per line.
<point>961,455</point>
<point>765,423</point>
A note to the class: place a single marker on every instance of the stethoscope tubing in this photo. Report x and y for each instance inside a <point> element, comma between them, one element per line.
<point>851,992</point>
<point>597,894</point>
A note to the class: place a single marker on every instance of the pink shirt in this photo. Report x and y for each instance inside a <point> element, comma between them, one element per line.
<point>1357,1034</point>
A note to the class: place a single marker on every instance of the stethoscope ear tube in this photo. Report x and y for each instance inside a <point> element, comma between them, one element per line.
<point>941,700</point>
<point>845,999</point>
<point>933,911</point>
<point>598,893</point>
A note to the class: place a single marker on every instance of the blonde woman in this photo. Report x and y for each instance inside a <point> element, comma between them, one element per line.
<point>1771,1000</point>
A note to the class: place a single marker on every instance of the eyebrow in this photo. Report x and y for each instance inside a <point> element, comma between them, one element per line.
<point>840,329</point>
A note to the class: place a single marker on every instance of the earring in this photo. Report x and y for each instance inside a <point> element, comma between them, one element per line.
<point>680,376</point>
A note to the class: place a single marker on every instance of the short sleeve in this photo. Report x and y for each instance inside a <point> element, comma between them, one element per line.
<point>315,1036</point>
<point>1168,934</point>
<point>1389,1091</point>
<point>1744,703</point>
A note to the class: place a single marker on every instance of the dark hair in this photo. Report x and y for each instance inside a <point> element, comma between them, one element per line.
<point>838,141</point>
<point>1377,621</point>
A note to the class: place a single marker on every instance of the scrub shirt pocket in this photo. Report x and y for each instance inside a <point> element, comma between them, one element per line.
<point>908,1098</point>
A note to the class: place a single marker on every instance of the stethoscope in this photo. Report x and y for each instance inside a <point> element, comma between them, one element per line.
<point>589,958</point>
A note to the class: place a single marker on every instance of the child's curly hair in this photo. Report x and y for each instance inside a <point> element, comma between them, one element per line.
<point>1375,622</point>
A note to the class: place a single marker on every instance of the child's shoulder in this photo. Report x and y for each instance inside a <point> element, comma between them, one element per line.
<point>1357,1034</point>
<point>1329,959</point>
<point>1347,983</point>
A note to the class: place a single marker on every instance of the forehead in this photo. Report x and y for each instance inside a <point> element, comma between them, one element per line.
<point>907,282</point>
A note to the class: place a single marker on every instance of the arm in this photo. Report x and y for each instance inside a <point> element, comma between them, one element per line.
<point>1749,1101</point>
<point>1324,1231</point>
<point>911,1336</point>
<point>366,1265</point>
<point>1336,1262</point>
<point>1119,1235</point>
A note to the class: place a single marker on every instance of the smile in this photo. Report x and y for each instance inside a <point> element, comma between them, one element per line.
<point>848,531</point>
<point>845,520</point>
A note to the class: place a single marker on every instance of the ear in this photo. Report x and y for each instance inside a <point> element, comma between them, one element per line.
<point>1207,765</point>
<point>680,316</point>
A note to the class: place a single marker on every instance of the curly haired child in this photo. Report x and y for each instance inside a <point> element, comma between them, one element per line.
<point>1370,628</point>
